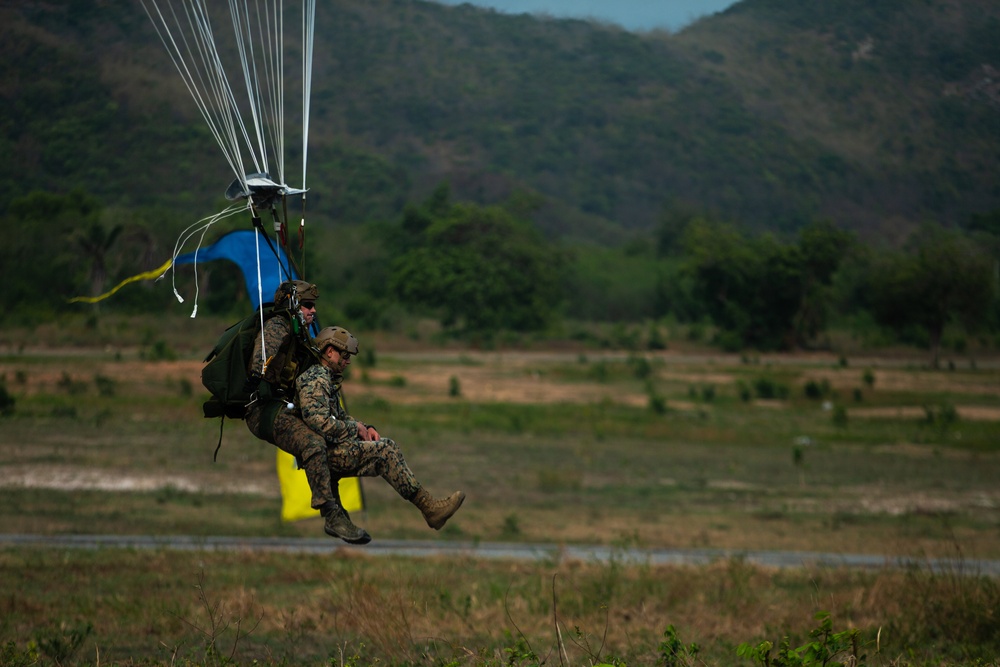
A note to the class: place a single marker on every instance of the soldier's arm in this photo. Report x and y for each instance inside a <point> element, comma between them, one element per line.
<point>275,333</point>
<point>314,402</point>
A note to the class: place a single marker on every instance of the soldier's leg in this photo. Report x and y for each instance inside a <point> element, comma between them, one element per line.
<point>374,458</point>
<point>383,458</point>
<point>293,436</point>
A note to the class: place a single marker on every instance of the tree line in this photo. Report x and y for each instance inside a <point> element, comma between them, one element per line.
<point>483,270</point>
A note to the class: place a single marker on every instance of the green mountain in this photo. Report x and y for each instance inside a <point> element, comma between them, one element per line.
<point>876,115</point>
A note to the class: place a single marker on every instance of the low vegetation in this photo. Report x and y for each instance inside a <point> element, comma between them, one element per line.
<point>680,448</point>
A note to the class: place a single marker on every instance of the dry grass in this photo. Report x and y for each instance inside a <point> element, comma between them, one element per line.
<point>350,609</point>
<point>551,447</point>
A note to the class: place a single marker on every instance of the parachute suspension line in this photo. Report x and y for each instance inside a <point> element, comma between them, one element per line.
<point>278,85</point>
<point>308,45</point>
<point>243,32</point>
<point>199,228</point>
<point>207,86</point>
<point>260,295</point>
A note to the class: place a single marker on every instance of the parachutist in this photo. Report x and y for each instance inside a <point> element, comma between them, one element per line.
<point>355,449</point>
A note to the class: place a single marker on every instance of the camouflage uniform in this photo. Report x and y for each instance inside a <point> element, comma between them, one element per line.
<point>321,405</point>
<point>268,418</point>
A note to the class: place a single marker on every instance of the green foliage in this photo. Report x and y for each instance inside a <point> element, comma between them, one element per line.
<point>31,283</point>
<point>578,128</point>
<point>657,402</point>
<point>655,340</point>
<point>608,284</point>
<point>817,390</point>
<point>763,293</point>
<point>479,267</point>
<point>674,653</point>
<point>641,367</point>
<point>943,416</point>
<point>160,351</point>
<point>768,388</point>
<point>61,644</point>
<point>958,605</point>
<point>12,656</point>
<point>105,386</point>
<point>600,121</point>
<point>744,391</point>
<point>7,402</point>
<point>511,526</point>
<point>71,386</point>
<point>827,648</point>
<point>945,278</point>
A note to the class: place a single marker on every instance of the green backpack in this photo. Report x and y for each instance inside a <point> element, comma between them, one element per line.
<point>225,371</point>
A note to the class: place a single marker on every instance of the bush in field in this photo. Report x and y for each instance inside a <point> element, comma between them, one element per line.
<point>6,401</point>
<point>71,386</point>
<point>825,648</point>
<point>817,390</point>
<point>840,416</point>
<point>105,386</point>
<point>768,388</point>
<point>160,351</point>
<point>942,416</point>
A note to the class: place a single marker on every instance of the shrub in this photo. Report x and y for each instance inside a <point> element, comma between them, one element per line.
<point>160,351</point>
<point>641,367</point>
<point>768,388</point>
<point>7,401</point>
<point>745,393</point>
<point>71,386</point>
<point>825,648</point>
<point>105,386</point>
<point>813,390</point>
<point>840,416</point>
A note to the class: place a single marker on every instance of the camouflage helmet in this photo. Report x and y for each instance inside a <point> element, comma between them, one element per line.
<point>291,292</point>
<point>339,337</point>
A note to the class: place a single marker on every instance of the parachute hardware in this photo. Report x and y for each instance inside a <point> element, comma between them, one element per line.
<point>262,192</point>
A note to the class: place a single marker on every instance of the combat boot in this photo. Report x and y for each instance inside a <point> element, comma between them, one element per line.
<point>437,512</point>
<point>339,524</point>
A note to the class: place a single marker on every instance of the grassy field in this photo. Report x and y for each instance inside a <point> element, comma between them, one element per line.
<point>681,448</point>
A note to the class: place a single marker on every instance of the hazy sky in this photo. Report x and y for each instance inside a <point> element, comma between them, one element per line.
<point>632,14</point>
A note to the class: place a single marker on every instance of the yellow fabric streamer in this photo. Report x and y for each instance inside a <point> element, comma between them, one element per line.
<point>148,275</point>
<point>296,497</point>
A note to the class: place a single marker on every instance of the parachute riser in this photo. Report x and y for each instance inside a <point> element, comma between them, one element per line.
<point>280,235</point>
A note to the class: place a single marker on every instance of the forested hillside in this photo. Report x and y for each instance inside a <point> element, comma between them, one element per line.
<point>772,114</point>
<point>764,171</point>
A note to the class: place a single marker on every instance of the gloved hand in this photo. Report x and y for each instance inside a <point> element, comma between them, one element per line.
<point>250,386</point>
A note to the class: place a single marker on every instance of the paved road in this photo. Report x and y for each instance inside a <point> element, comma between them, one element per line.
<point>501,550</point>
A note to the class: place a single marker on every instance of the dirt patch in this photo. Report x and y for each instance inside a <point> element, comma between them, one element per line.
<point>72,478</point>
<point>487,385</point>
<point>969,412</point>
